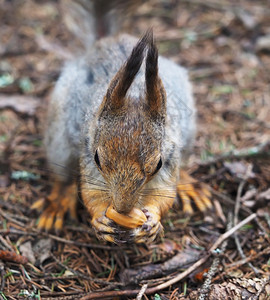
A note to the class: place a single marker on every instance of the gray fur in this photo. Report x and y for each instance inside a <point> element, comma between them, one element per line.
<point>80,90</point>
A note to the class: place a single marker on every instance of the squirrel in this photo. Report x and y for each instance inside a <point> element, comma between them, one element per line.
<point>121,116</point>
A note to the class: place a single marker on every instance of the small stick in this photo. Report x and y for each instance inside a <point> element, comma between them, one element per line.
<point>259,150</point>
<point>204,291</point>
<point>142,291</point>
<point>9,218</point>
<point>228,233</point>
<point>227,200</point>
<point>236,212</point>
<point>2,277</point>
<point>87,245</point>
<point>6,244</point>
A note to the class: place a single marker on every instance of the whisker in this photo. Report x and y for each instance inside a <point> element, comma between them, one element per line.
<point>77,173</point>
<point>64,167</point>
<point>183,188</point>
<point>158,189</point>
<point>103,199</point>
<point>49,170</point>
<point>94,189</point>
<point>164,196</point>
<point>94,180</point>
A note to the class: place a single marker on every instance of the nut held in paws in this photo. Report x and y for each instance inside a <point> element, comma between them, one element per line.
<point>133,220</point>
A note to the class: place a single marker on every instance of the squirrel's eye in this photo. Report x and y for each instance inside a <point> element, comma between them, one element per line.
<point>159,165</point>
<point>97,160</point>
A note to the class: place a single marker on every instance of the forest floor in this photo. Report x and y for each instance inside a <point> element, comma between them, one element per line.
<point>225,45</point>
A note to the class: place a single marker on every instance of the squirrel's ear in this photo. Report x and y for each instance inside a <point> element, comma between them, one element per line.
<point>121,82</point>
<point>155,92</point>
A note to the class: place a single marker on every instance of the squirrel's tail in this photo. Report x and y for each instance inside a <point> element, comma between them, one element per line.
<point>90,20</point>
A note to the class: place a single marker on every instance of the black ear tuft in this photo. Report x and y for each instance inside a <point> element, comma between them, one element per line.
<point>155,92</point>
<point>151,72</point>
<point>122,81</point>
<point>125,76</point>
<point>133,64</point>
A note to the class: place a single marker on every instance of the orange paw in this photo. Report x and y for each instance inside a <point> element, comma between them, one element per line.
<point>62,199</point>
<point>108,230</point>
<point>150,230</point>
<point>189,190</point>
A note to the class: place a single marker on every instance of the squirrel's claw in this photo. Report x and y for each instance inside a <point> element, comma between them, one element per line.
<point>148,236</point>
<point>102,225</point>
<point>150,229</point>
<point>189,190</point>
<point>59,202</point>
<point>107,230</point>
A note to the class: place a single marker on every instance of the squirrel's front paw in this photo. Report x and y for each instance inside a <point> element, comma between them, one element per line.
<point>108,230</point>
<point>191,191</point>
<point>148,232</point>
<point>63,199</point>
<point>105,228</point>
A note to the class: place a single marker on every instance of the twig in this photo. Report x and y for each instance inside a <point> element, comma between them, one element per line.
<point>237,201</point>
<point>242,254</point>
<point>9,218</point>
<point>227,200</point>
<point>260,150</point>
<point>152,290</point>
<point>15,231</point>
<point>267,218</point>
<point>213,269</point>
<point>27,277</point>
<point>237,264</point>
<point>236,212</point>
<point>6,244</point>
<point>261,227</point>
<point>87,245</point>
<point>228,233</point>
<point>59,239</point>
<point>142,291</point>
<point>218,5</point>
<point>55,296</point>
<point>65,294</point>
<point>2,277</point>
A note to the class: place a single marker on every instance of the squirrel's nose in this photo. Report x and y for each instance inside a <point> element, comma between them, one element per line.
<point>123,204</point>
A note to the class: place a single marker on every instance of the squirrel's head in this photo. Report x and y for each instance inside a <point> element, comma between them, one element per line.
<point>129,134</point>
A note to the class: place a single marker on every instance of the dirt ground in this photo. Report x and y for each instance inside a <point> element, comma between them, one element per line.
<point>225,45</point>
